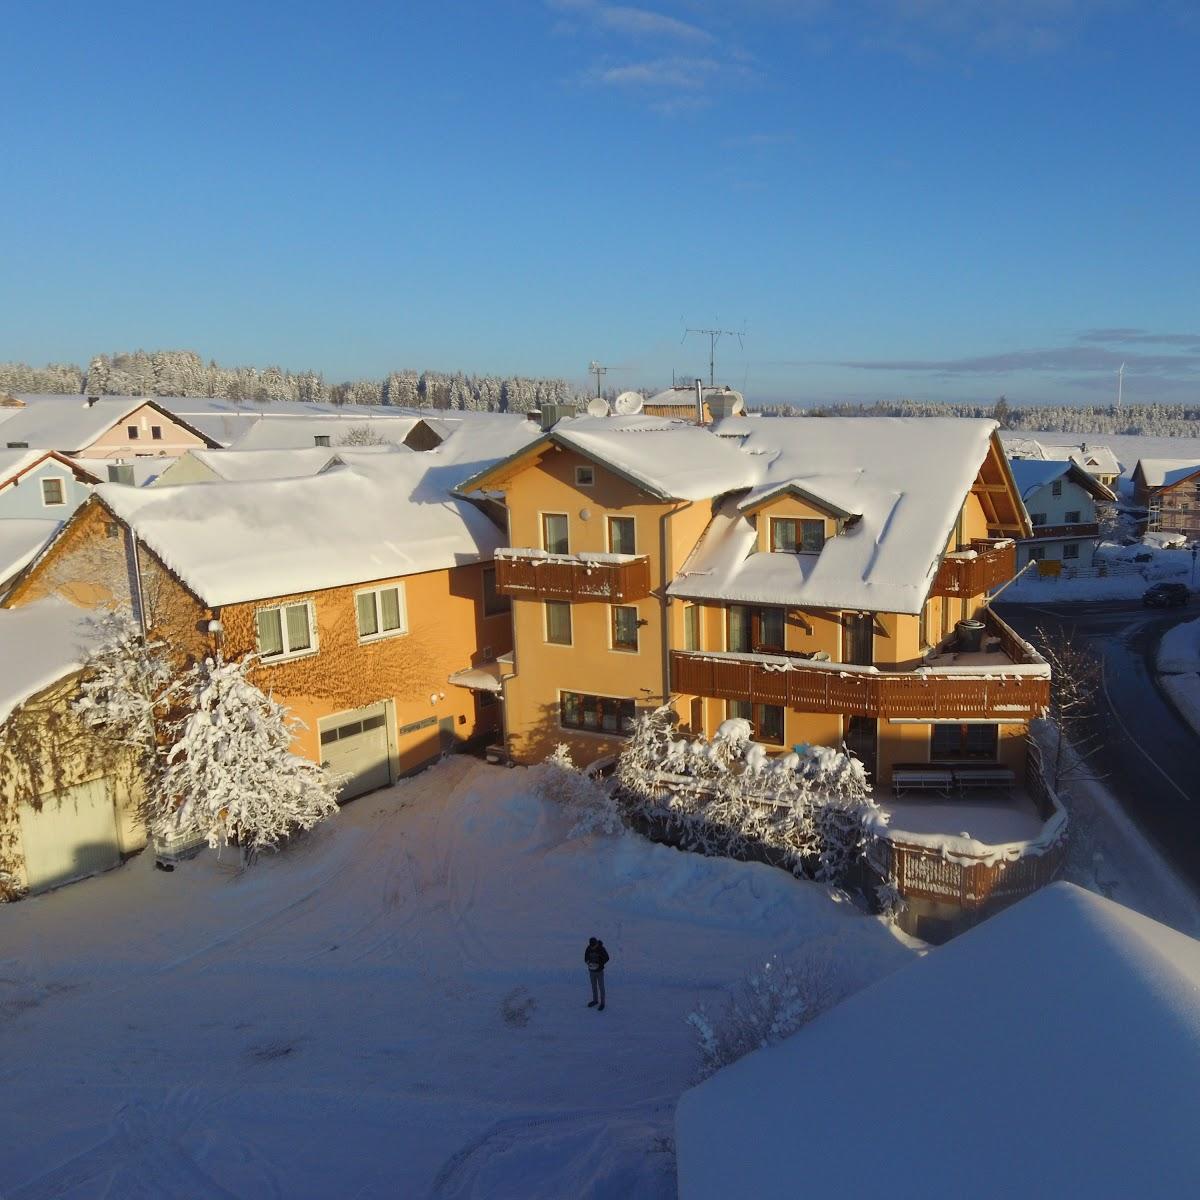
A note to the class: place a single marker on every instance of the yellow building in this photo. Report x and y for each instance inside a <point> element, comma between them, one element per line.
<point>362,590</point>
<point>809,575</point>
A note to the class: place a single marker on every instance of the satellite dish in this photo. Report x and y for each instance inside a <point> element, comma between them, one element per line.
<point>629,404</point>
<point>598,408</point>
<point>739,406</point>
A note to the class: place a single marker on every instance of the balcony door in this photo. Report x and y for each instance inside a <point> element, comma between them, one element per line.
<point>862,740</point>
<point>860,640</point>
<point>754,630</point>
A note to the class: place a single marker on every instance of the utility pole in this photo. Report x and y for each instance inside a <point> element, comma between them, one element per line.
<point>714,336</point>
<point>596,369</point>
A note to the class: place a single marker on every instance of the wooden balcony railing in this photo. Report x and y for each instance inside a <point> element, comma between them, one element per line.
<point>611,578</point>
<point>1018,691</point>
<point>1067,531</point>
<point>994,563</point>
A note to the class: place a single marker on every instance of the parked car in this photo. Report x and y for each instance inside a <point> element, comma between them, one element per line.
<point>1166,595</point>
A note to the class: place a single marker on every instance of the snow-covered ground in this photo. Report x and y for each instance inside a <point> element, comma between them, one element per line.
<point>1131,579</point>
<point>396,1007</point>
<point>1179,670</point>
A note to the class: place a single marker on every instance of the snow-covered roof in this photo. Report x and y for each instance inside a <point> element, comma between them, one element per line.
<point>286,433</point>
<point>21,539</point>
<point>387,516</point>
<point>70,423</point>
<point>15,463</point>
<point>905,477</point>
<point>146,468</point>
<point>1163,472</point>
<point>1031,475</point>
<point>40,643</point>
<point>1053,1050</point>
<point>241,465</point>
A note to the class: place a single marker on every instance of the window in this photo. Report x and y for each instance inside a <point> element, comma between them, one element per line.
<point>1036,519</point>
<point>286,632</point>
<point>624,627</point>
<point>790,535</point>
<point>691,627</point>
<point>321,439</point>
<point>132,430</point>
<point>494,602</point>
<point>766,720</point>
<point>1072,518</point>
<point>585,476</point>
<point>112,529</point>
<point>1056,488</point>
<point>554,533</point>
<point>156,433</point>
<point>754,630</point>
<point>18,445</point>
<point>963,741</point>
<point>1071,550</point>
<point>598,714</point>
<point>621,535</point>
<point>558,622</point>
<point>53,492</point>
<point>381,613</point>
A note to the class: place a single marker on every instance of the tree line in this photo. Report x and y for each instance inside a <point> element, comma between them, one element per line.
<point>185,373</point>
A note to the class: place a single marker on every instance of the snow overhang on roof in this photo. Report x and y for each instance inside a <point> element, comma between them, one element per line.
<point>808,490</point>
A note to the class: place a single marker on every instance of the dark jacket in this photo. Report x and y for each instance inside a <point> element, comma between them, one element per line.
<point>595,957</point>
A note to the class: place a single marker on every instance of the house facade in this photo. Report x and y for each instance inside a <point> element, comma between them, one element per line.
<point>1169,491</point>
<point>809,576</point>
<point>41,485</point>
<point>360,602</point>
<point>1061,498</point>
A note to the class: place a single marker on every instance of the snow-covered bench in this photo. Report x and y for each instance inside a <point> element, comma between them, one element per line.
<point>922,779</point>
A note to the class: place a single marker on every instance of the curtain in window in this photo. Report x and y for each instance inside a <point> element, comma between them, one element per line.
<point>812,536</point>
<point>270,633</point>
<point>367,622</point>
<point>389,605</point>
<point>739,628</point>
<point>621,535</point>
<point>691,627</point>
<point>783,535</point>
<point>625,634</point>
<point>298,636</point>
<point>558,622</point>
<point>770,628</point>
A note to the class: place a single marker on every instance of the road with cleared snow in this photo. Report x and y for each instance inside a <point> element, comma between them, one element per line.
<point>1148,755</point>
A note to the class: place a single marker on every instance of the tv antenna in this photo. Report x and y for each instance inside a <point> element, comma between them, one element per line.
<point>600,370</point>
<point>714,336</point>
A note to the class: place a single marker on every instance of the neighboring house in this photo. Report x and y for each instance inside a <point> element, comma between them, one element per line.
<point>364,590</point>
<point>1099,461</point>
<point>1060,497</point>
<point>1169,489</point>
<point>239,466</point>
<point>682,402</point>
<point>68,803</point>
<point>825,580</point>
<point>41,485</point>
<point>1067,1005</point>
<point>21,541</point>
<point>334,432</point>
<point>99,427</point>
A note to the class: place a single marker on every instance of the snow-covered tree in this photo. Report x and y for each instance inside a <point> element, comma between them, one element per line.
<point>590,804</point>
<point>229,771</point>
<point>362,435</point>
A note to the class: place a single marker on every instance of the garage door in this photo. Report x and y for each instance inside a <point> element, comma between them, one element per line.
<point>73,834</point>
<point>355,744</point>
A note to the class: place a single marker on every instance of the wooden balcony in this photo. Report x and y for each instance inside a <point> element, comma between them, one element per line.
<point>993,562</point>
<point>1010,683</point>
<point>611,578</point>
<point>1066,531</point>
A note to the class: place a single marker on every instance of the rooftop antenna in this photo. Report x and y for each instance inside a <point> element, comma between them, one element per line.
<point>714,336</point>
<point>1120,385</point>
<point>594,368</point>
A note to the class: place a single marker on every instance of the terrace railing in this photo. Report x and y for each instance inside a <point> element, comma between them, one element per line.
<point>612,578</point>
<point>990,563</point>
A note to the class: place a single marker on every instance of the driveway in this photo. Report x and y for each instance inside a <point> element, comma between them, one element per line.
<point>1148,755</point>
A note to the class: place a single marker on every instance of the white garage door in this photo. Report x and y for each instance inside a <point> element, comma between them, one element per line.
<point>73,834</point>
<point>355,744</point>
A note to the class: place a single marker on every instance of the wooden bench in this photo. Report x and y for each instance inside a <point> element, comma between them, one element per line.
<point>969,779</point>
<point>922,779</point>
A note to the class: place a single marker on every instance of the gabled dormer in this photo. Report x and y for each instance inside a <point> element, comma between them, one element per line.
<point>794,517</point>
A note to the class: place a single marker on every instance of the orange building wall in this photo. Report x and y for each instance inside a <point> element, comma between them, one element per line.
<point>116,443</point>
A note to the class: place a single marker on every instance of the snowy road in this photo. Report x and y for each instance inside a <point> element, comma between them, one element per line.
<point>393,1009</point>
<point>1149,755</point>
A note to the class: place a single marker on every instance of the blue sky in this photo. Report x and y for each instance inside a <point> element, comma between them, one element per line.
<point>927,198</point>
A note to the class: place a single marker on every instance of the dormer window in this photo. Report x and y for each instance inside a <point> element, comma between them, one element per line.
<point>795,535</point>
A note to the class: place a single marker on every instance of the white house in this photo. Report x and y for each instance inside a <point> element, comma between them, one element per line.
<point>1060,497</point>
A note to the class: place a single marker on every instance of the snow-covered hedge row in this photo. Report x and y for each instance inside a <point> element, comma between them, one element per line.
<point>728,797</point>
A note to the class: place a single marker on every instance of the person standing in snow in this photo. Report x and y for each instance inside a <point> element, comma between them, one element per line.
<point>595,956</point>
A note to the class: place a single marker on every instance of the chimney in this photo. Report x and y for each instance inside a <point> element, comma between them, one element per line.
<point>91,400</point>
<point>699,402</point>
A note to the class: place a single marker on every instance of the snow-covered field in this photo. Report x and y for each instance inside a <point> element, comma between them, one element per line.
<point>396,1007</point>
<point>1179,670</point>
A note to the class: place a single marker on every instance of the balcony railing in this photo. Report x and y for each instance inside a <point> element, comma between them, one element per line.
<point>986,565</point>
<point>1079,529</point>
<point>535,575</point>
<point>1015,687</point>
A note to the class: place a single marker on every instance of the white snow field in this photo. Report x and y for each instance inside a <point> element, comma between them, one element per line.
<point>395,1007</point>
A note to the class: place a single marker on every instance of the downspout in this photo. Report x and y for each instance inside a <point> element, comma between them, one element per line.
<point>137,582</point>
<point>664,599</point>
